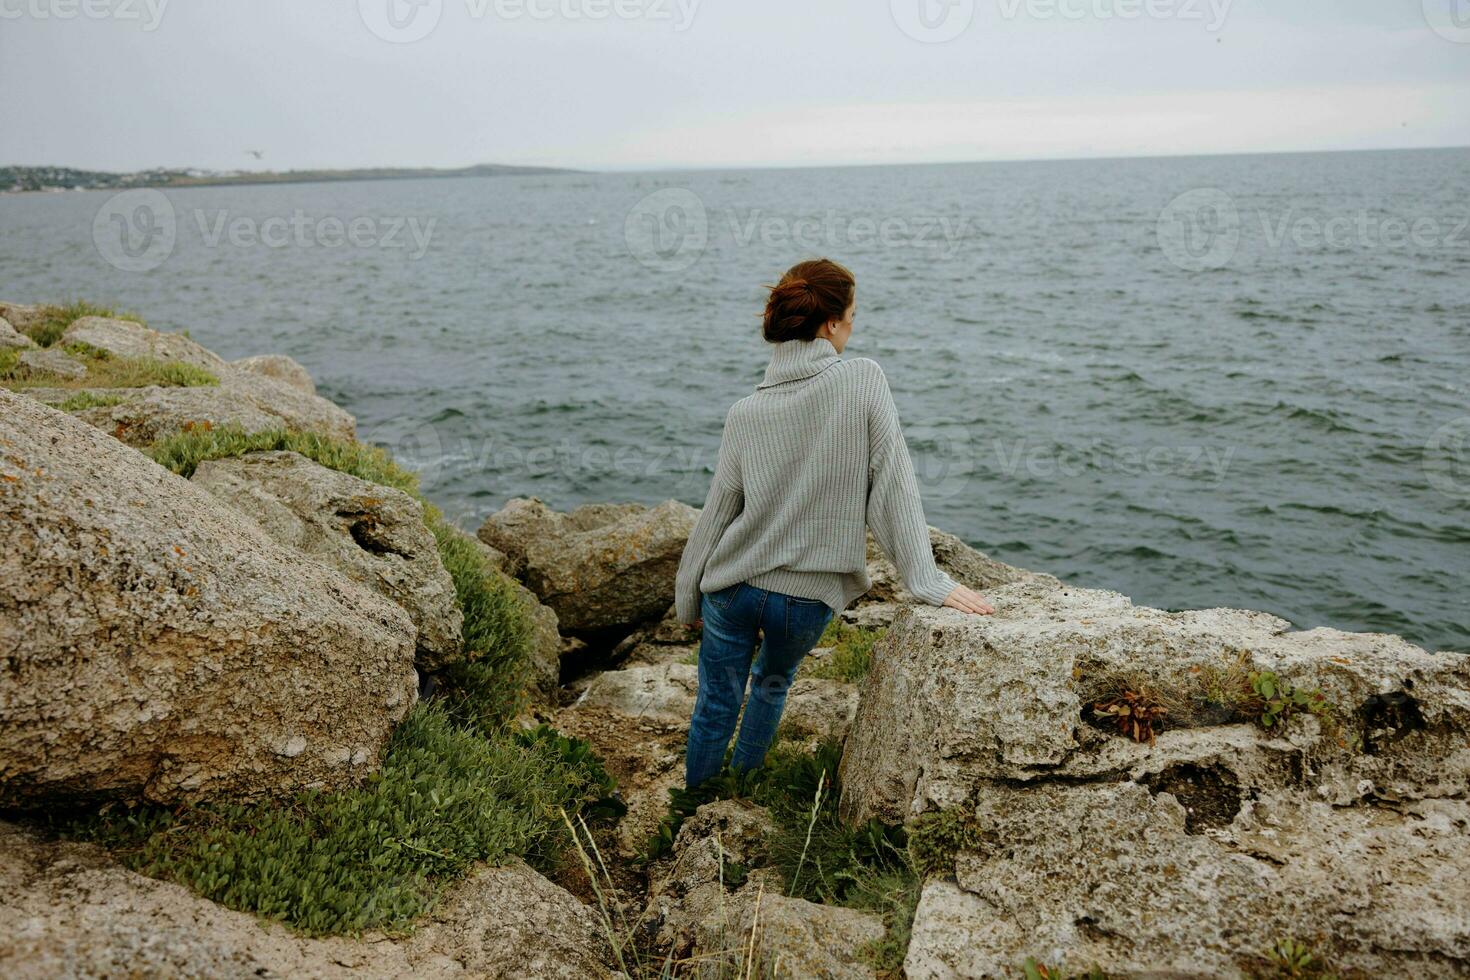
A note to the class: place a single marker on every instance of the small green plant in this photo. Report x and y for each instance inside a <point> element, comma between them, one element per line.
<point>937,837</point>
<point>1280,699</point>
<point>1290,959</point>
<point>851,652</point>
<point>88,399</point>
<point>105,370</point>
<point>374,857</point>
<point>1033,970</point>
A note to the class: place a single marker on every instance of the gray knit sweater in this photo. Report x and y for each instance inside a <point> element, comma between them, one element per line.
<point>806,463</point>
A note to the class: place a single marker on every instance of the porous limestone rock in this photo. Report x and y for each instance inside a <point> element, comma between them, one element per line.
<point>772,935</point>
<point>1111,875</point>
<point>374,535</point>
<point>602,566</point>
<point>158,644</point>
<point>954,700</point>
<point>277,366</point>
<point>70,910</point>
<point>696,881</point>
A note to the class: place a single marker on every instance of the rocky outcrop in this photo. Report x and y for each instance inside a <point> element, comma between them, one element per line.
<point>277,366</point>
<point>11,339</point>
<point>955,700</point>
<point>158,644</point>
<point>715,848</point>
<point>1110,875</point>
<point>252,398</point>
<point>128,338</point>
<point>1192,852</point>
<point>965,565</point>
<point>601,567</point>
<point>71,911</point>
<point>372,534</point>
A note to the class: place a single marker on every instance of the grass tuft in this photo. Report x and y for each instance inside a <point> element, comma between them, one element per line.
<point>851,656</point>
<point>104,370</point>
<point>375,857</point>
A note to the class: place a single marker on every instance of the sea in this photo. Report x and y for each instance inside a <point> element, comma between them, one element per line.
<point>1209,381</point>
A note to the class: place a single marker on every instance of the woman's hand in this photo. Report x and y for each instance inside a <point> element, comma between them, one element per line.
<point>968,601</point>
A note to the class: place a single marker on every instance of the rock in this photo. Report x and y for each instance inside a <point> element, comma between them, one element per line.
<point>126,338</point>
<point>22,317</point>
<point>50,360</point>
<point>720,841</point>
<point>158,644</point>
<point>601,567</point>
<point>11,339</point>
<point>1109,875</point>
<point>956,701</point>
<point>72,911</point>
<point>372,534</point>
<point>277,366</point>
<point>248,402</point>
<point>252,400</point>
<point>964,564</point>
<point>664,694</point>
<point>512,922</point>
<point>791,937</point>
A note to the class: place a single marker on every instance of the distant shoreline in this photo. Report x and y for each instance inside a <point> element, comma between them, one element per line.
<point>24,180</point>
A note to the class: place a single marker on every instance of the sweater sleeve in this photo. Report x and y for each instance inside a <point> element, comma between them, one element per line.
<point>723,504</point>
<point>895,510</point>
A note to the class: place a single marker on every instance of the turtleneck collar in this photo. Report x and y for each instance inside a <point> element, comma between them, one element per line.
<point>793,360</point>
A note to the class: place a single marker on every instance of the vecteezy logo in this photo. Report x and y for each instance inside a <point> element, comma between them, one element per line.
<point>1200,229</point>
<point>135,231</point>
<point>668,230</point>
<point>1447,458</point>
<point>1450,19</point>
<point>401,21</point>
<point>932,21</point>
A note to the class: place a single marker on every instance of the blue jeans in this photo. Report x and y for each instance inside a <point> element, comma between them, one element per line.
<point>789,627</point>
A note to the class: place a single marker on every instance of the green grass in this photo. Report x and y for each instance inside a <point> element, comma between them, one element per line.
<point>55,320</point>
<point>88,399</point>
<point>851,656</point>
<point>378,856</point>
<point>104,370</point>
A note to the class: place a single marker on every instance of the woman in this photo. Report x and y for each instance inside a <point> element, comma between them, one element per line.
<point>806,463</point>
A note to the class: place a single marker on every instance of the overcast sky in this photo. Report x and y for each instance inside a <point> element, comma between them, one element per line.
<point>618,84</point>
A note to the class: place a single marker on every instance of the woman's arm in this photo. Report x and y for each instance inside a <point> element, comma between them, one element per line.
<point>895,511</point>
<point>721,507</point>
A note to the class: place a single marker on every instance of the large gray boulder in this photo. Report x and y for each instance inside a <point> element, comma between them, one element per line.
<point>51,361</point>
<point>1111,875</point>
<point>1190,853</point>
<point>158,644</point>
<point>954,701</point>
<point>21,316</point>
<point>71,911</point>
<point>277,366</point>
<point>372,534</point>
<point>601,567</point>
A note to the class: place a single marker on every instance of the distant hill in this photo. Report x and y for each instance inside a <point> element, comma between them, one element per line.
<point>69,178</point>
